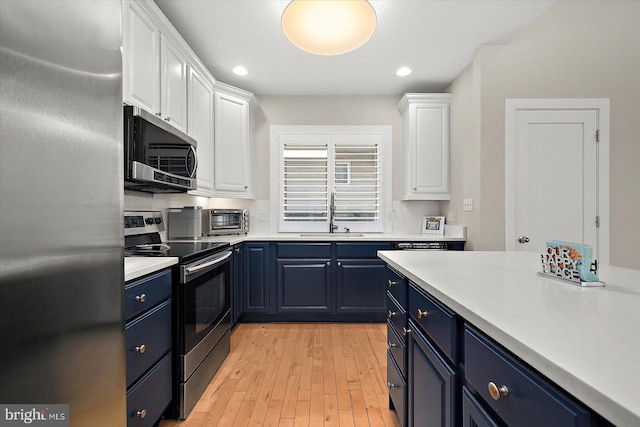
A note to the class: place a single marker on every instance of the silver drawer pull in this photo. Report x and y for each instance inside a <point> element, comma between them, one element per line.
<point>141,298</point>
<point>497,392</point>
<point>141,349</point>
<point>391,345</point>
<point>405,331</point>
<point>390,314</point>
<point>392,385</point>
<point>141,414</point>
<point>391,283</point>
<point>422,313</point>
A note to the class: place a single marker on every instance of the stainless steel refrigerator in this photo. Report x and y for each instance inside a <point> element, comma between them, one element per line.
<point>61,198</point>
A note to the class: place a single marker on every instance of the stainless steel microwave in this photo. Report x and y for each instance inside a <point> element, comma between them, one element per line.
<point>225,221</point>
<point>157,157</point>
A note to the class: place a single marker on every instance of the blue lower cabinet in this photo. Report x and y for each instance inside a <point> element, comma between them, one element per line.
<point>256,278</point>
<point>304,286</point>
<point>473,414</point>
<point>148,339</point>
<point>236,284</point>
<point>150,396</point>
<point>431,384</point>
<point>360,287</point>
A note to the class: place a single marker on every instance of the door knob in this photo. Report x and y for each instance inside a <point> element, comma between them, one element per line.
<point>523,239</point>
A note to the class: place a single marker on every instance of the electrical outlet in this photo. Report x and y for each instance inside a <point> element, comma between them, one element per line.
<point>468,205</point>
<point>452,217</point>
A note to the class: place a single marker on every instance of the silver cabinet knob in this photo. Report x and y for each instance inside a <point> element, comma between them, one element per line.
<point>392,385</point>
<point>339,264</point>
<point>159,114</point>
<point>391,345</point>
<point>141,298</point>
<point>141,349</point>
<point>405,331</point>
<point>497,392</point>
<point>523,239</point>
<point>167,119</point>
<point>390,314</point>
<point>422,313</point>
<point>141,414</point>
<point>246,186</point>
<point>415,188</point>
<point>328,262</point>
<point>391,283</point>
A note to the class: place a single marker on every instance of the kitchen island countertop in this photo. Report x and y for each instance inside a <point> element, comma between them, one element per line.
<point>583,339</point>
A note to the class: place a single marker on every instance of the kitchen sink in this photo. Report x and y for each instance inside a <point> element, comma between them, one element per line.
<point>331,234</point>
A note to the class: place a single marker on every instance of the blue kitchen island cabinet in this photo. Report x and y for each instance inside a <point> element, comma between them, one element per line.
<point>148,343</point>
<point>456,374</point>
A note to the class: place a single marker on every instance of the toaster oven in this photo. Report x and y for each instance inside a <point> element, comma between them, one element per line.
<point>225,221</point>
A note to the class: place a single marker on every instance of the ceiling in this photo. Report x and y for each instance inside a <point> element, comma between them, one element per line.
<point>436,39</point>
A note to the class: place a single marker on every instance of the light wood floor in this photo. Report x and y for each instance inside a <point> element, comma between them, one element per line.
<point>299,374</point>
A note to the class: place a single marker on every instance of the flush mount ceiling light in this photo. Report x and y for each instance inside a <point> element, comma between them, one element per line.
<point>328,27</point>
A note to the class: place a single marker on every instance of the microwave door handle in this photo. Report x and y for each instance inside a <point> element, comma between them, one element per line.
<point>195,161</point>
<point>205,265</point>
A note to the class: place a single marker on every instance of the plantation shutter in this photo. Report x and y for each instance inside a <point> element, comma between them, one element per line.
<point>356,182</point>
<point>305,182</point>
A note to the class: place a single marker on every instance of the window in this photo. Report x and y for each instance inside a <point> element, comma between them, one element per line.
<point>313,166</point>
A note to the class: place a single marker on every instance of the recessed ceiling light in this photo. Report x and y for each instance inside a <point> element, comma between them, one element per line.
<point>240,70</point>
<point>328,28</point>
<point>403,71</point>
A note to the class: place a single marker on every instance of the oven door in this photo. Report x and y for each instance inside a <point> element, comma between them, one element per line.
<point>204,298</point>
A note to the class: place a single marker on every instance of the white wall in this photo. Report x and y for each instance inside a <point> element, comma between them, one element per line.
<point>575,50</point>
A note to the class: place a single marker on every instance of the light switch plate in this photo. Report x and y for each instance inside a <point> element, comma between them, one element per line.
<point>452,217</point>
<point>468,205</point>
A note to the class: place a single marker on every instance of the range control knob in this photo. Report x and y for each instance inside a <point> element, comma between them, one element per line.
<point>149,221</point>
<point>158,220</point>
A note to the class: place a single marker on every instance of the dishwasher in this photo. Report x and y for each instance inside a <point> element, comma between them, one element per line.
<point>429,246</point>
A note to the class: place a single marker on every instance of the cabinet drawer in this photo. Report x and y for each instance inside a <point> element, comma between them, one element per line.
<point>303,250</point>
<point>150,396</point>
<point>397,286</point>
<point>151,330</point>
<point>398,348</point>
<point>528,400</point>
<point>397,389</point>
<point>435,320</point>
<point>360,250</point>
<point>145,293</point>
<point>396,316</point>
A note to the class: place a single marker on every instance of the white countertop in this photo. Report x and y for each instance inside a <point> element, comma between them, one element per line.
<point>452,234</point>
<point>584,339</point>
<point>135,267</point>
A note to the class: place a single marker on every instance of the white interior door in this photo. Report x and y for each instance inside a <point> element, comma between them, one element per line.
<point>552,186</point>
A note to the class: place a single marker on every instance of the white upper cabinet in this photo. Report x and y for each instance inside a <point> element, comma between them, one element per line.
<point>233,146</point>
<point>141,58</point>
<point>201,101</point>
<point>154,66</point>
<point>173,84</point>
<point>425,146</point>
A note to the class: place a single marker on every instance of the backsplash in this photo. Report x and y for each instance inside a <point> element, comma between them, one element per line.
<point>407,216</point>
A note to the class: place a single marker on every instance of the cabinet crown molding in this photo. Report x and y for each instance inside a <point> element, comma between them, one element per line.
<point>436,98</point>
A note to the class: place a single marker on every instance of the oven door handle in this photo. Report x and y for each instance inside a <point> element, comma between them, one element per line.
<point>200,267</point>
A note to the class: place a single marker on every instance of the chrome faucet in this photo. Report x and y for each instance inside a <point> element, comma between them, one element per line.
<point>332,213</point>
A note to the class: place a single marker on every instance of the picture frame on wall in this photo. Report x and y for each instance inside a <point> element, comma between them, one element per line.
<point>433,225</point>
